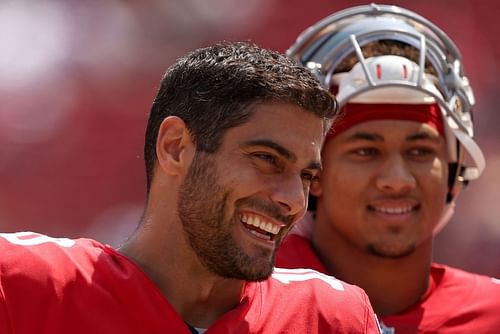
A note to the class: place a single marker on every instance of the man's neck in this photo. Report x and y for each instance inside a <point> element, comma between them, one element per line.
<point>199,296</point>
<point>393,285</point>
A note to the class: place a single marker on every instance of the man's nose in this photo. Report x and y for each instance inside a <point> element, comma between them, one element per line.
<point>290,193</point>
<point>395,175</point>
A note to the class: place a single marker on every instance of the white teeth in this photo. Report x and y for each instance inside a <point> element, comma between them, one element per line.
<point>250,220</point>
<point>269,227</point>
<point>263,225</point>
<point>394,211</point>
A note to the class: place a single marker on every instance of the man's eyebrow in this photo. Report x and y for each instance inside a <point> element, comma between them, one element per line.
<point>376,137</point>
<point>365,136</point>
<point>424,136</point>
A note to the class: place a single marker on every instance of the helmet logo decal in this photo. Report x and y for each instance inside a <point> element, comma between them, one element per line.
<point>379,71</point>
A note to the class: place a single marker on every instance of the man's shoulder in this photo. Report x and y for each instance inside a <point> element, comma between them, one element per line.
<point>308,278</point>
<point>472,301</point>
<point>34,257</point>
<point>59,285</point>
<point>459,279</point>
<point>474,288</point>
<point>323,302</point>
<point>315,286</point>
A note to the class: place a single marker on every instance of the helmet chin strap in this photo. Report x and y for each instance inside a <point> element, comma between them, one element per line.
<point>471,147</point>
<point>448,212</point>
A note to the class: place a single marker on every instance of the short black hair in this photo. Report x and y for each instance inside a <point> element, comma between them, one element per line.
<point>381,48</point>
<point>213,88</point>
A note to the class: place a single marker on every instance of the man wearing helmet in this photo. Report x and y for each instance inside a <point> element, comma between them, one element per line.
<point>392,169</point>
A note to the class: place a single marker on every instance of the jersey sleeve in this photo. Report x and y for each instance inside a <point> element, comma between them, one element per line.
<point>4,319</point>
<point>371,319</point>
<point>31,276</point>
<point>59,285</point>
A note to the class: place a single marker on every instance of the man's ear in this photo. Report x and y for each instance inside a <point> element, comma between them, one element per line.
<point>174,146</point>
<point>316,189</point>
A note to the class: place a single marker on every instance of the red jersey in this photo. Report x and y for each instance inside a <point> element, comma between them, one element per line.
<point>56,285</point>
<point>456,302</point>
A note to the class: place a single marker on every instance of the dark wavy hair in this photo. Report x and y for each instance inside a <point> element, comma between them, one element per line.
<point>213,88</point>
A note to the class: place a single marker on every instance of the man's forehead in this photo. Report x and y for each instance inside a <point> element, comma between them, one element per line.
<point>282,122</point>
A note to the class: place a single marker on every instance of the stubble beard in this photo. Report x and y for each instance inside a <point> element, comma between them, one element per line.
<point>202,207</point>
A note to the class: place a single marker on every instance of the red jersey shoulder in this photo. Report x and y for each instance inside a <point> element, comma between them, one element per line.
<point>463,285</point>
<point>472,305</point>
<point>318,301</point>
<point>40,258</point>
<point>478,294</point>
<point>58,285</point>
<point>312,284</point>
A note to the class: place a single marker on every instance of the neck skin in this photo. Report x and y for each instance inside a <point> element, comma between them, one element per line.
<point>393,285</point>
<point>160,248</point>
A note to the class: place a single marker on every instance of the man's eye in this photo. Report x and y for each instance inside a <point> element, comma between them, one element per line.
<point>365,152</point>
<point>266,157</point>
<point>308,176</point>
<point>421,151</point>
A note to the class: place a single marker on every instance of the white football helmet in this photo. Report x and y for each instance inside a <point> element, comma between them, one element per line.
<point>394,79</point>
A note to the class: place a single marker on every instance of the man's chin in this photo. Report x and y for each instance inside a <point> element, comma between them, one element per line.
<point>388,252</point>
<point>259,276</point>
<point>259,270</point>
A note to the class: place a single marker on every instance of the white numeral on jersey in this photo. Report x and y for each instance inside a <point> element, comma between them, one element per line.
<point>32,239</point>
<point>297,275</point>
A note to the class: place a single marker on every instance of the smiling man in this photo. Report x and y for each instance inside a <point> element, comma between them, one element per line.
<point>393,166</point>
<point>232,145</point>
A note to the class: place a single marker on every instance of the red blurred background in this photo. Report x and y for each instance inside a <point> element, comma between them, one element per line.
<point>77,79</point>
